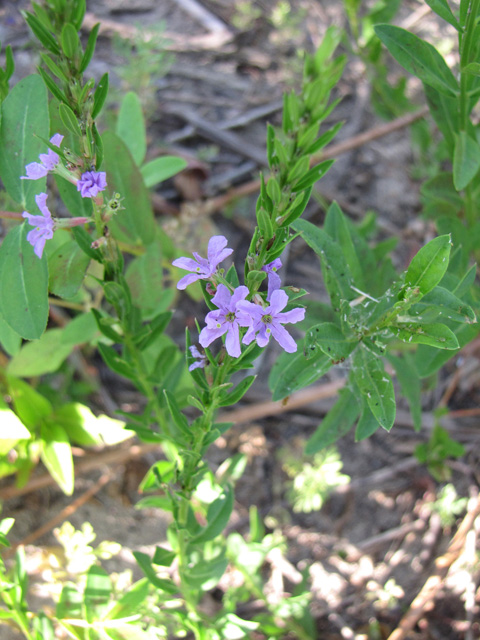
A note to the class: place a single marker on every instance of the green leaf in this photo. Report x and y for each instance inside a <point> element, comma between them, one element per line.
<point>436,335</point>
<point>335,424</point>
<point>90,48</point>
<point>80,424</point>
<point>442,9</point>
<point>376,385</point>
<point>96,596</point>
<point>367,423</point>
<point>292,372</point>
<point>145,563</point>
<point>227,399</point>
<point>135,223</point>
<point>312,176</point>
<point>44,36</point>
<point>336,272</point>
<point>442,303</point>
<point>12,428</point>
<point>70,41</point>
<point>24,121</point>
<point>218,515</point>
<point>329,338</point>
<point>115,362</point>
<point>444,111</point>
<point>177,416</point>
<point>67,267</point>
<point>131,127</point>
<point>129,602</point>
<point>40,356</point>
<point>69,119</point>
<point>9,339</point>
<point>56,455</point>
<point>407,376</point>
<point>23,285</point>
<point>466,160</point>
<point>429,265</point>
<point>100,95</point>
<point>30,406</point>
<point>161,169</point>
<point>338,229</point>
<point>206,573</point>
<point>418,57</point>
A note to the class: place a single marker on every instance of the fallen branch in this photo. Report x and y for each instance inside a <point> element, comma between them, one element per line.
<point>431,587</point>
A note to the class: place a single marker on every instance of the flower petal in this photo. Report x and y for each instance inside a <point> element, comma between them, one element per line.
<point>283,338</point>
<point>222,297</point>
<point>35,171</point>
<point>232,341</point>
<point>292,316</point>
<point>186,280</point>
<point>186,263</point>
<point>278,301</point>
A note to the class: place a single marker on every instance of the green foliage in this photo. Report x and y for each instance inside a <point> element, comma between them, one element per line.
<point>436,452</point>
<point>312,482</point>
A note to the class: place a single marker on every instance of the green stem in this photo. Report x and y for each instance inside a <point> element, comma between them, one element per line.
<point>19,619</point>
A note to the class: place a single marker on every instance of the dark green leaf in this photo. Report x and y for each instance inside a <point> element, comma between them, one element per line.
<point>227,399</point>
<point>329,338</point>
<point>145,564</point>
<point>367,423</point>
<point>442,9</point>
<point>407,376</point>
<point>429,265</point>
<point>131,127</point>
<point>42,33</point>
<point>24,118</point>
<point>309,179</point>
<point>70,41</point>
<point>436,335</point>
<point>115,362</point>
<point>218,515</point>
<point>418,57</point>
<point>376,385</point>
<point>135,223</point>
<point>292,372</point>
<point>160,169</point>
<point>100,95</point>
<point>67,268</point>
<point>69,119</point>
<point>466,160</point>
<point>23,285</point>
<point>336,423</point>
<point>90,48</point>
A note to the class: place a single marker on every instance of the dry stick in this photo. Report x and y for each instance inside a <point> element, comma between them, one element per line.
<point>118,456</point>
<point>435,581</point>
<point>62,516</point>
<point>215,204</point>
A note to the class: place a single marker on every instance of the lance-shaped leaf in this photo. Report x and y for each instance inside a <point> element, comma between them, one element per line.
<point>67,267</point>
<point>429,265</point>
<point>436,335</point>
<point>23,285</point>
<point>329,338</point>
<point>336,272</point>
<point>376,385</point>
<point>430,359</point>
<point>409,380</point>
<point>418,57</point>
<point>442,303</point>
<point>336,423</point>
<point>218,515</point>
<point>292,372</point>
<point>227,399</point>
<point>367,423</point>
<point>442,9</point>
<point>56,455</point>
<point>135,223</point>
<point>131,127</point>
<point>466,160</point>
<point>24,121</point>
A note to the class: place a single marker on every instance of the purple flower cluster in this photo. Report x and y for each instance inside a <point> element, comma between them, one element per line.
<point>203,269</point>
<point>48,161</point>
<point>234,311</point>
<point>44,225</point>
<point>90,184</point>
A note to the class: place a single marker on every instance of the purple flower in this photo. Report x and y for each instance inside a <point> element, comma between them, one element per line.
<point>227,319</point>
<point>269,321</point>
<point>202,268</point>
<point>44,225</point>
<point>200,358</point>
<point>274,281</point>
<point>91,183</point>
<point>49,161</point>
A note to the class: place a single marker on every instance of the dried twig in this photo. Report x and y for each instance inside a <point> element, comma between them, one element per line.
<point>63,515</point>
<point>431,587</point>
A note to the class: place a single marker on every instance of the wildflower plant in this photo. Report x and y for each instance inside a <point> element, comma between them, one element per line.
<point>112,241</point>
